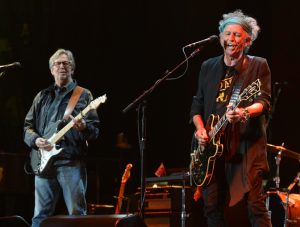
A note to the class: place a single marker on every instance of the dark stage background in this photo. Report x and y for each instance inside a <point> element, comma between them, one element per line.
<point>121,49</point>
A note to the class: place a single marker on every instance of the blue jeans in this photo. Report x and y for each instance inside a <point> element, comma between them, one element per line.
<point>72,181</point>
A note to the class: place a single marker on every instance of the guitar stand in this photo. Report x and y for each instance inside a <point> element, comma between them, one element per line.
<point>125,198</point>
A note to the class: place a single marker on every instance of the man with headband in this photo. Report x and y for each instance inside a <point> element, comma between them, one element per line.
<point>238,171</point>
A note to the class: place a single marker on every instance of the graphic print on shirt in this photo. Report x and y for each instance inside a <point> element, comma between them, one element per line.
<point>223,94</point>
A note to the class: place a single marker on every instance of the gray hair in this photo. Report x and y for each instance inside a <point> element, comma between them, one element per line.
<point>60,52</point>
<point>248,23</point>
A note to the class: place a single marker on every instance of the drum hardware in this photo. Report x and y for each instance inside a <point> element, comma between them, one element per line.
<point>276,179</point>
<point>278,159</point>
<point>289,201</point>
<point>287,204</point>
<point>284,151</point>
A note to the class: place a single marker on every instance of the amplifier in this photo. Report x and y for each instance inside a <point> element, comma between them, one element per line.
<point>167,198</point>
<point>168,201</point>
<point>159,201</point>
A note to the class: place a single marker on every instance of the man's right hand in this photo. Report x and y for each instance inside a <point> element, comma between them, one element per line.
<point>202,137</point>
<point>43,144</point>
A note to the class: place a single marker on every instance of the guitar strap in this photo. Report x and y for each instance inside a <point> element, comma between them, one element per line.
<point>72,102</point>
<point>232,138</point>
<point>239,80</point>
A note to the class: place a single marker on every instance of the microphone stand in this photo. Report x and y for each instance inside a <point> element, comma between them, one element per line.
<point>141,103</point>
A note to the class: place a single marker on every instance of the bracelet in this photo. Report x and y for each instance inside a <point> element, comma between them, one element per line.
<point>245,115</point>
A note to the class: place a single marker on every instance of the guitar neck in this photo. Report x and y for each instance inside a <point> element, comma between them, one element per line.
<point>120,199</point>
<point>68,126</point>
<point>221,123</point>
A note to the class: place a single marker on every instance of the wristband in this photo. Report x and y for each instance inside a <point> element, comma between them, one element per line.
<point>245,115</point>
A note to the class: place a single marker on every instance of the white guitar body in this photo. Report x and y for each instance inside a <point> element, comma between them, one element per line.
<point>47,155</point>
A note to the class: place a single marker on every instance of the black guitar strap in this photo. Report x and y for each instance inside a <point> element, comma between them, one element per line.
<point>231,139</point>
<point>73,101</point>
<point>240,79</point>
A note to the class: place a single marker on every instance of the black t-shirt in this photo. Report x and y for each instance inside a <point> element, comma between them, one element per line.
<point>225,88</point>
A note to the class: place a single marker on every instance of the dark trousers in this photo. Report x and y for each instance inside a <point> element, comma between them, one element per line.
<point>216,196</point>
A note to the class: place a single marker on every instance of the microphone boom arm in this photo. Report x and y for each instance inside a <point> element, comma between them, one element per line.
<point>159,81</point>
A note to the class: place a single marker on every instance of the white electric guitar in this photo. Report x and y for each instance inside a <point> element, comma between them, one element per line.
<point>40,159</point>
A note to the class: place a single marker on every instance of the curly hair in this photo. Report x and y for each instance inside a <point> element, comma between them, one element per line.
<point>248,23</point>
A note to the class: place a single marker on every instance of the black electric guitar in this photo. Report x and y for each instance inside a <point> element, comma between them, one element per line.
<point>41,160</point>
<point>203,158</point>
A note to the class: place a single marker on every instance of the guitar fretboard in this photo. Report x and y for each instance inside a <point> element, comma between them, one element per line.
<point>222,122</point>
<point>68,126</point>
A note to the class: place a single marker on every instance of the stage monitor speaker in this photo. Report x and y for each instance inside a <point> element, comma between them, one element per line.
<point>113,220</point>
<point>13,221</point>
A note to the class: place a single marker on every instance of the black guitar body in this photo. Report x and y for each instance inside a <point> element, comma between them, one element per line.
<point>203,158</point>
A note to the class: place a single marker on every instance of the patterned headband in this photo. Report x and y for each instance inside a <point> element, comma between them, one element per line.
<point>236,20</point>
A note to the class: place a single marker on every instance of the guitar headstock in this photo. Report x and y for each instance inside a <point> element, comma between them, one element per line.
<point>251,90</point>
<point>126,173</point>
<point>96,102</point>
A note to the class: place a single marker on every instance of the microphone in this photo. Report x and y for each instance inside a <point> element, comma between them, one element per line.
<point>12,65</point>
<point>210,39</point>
